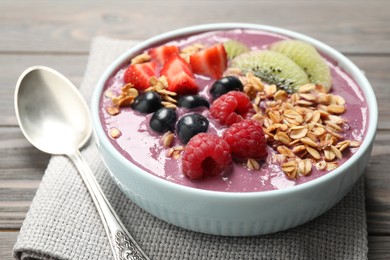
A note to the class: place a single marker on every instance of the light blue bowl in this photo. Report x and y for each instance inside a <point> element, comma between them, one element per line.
<point>233,213</point>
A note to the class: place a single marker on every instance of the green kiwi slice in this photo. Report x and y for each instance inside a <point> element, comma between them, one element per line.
<point>308,58</point>
<point>234,48</point>
<point>273,68</point>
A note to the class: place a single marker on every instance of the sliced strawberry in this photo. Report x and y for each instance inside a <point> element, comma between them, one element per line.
<point>139,74</point>
<point>210,62</point>
<point>162,53</point>
<point>179,76</point>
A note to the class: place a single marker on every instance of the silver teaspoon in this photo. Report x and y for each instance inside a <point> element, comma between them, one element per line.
<point>54,117</point>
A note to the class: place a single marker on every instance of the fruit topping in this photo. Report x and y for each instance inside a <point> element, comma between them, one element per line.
<point>190,125</point>
<point>210,62</point>
<point>193,101</point>
<point>273,68</point>
<point>162,53</point>
<point>163,120</point>
<point>139,74</point>
<point>224,85</point>
<point>250,101</point>
<point>230,108</point>
<point>179,76</point>
<point>205,155</point>
<point>308,58</point>
<point>147,102</point>
<point>246,140</point>
<point>234,48</point>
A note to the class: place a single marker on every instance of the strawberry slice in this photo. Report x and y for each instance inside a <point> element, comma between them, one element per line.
<point>139,74</point>
<point>179,76</point>
<point>162,53</point>
<point>210,62</point>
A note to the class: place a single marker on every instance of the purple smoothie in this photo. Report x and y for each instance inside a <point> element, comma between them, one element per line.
<point>140,145</point>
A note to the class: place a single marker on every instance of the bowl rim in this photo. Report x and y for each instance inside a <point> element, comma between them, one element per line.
<point>342,61</point>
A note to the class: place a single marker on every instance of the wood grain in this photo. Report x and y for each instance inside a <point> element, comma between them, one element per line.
<point>7,239</point>
<point>350,26</point>
<point>72,66</point>
<point>377,186</point>
<point>378,246</point>
<point>58,34</point>
<point>21,169</point>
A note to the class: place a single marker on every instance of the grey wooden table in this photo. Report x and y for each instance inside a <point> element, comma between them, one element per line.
<point>58,34</point>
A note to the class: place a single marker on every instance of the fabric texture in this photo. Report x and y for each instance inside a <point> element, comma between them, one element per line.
<point>62,222</point>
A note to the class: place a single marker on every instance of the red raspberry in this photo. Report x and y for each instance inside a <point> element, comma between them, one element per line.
<point>205,155</point>
<point>230,108</point>
<point>246,139</point>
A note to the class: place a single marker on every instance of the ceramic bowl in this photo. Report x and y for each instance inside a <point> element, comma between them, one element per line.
<point>234,213</point>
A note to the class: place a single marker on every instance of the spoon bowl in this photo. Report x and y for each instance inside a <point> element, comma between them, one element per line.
<point>54,117</point>
<point>51,112</point>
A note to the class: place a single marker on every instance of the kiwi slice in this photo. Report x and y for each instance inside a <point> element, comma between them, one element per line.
<point>308,58</point>
<point>273,68</point>
<point>234,48</point>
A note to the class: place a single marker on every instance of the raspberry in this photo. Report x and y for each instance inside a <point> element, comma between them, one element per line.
<point>205,155</point>
<point>230,108</point>
<point>246,139</point>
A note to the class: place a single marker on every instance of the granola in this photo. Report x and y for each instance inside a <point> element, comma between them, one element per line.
<point>306,127</point>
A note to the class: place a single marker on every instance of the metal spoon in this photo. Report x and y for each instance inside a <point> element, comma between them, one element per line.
<point>55,119</point>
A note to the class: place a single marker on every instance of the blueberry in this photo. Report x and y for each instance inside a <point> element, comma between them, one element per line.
<point>147,102</point>
<point>190,125</point>
<point>192,101</point>
<point>163,120</point>
<point>224,85</point>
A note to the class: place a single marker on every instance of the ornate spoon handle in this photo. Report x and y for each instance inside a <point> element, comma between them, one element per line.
<point>122,243</point>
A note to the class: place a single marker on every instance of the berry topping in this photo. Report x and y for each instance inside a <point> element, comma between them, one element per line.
<point>179,75</point>
<point>192,101</point>
<point>210,62</point>
<point>163,120</point>
<point>230,108</point>
<point>139,74</point>
<point>147,102</point>
<point>190,125</point>
<point>162,53</point>
<point>205,155</point>
<point>246,140</point>
<point>224,85</point>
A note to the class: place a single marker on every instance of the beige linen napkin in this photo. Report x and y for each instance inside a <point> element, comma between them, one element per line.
<point>62,222</point>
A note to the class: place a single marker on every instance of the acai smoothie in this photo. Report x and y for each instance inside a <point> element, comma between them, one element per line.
<point>234,110</point>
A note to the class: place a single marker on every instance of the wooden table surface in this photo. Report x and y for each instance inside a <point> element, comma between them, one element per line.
<point>58,34</point>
